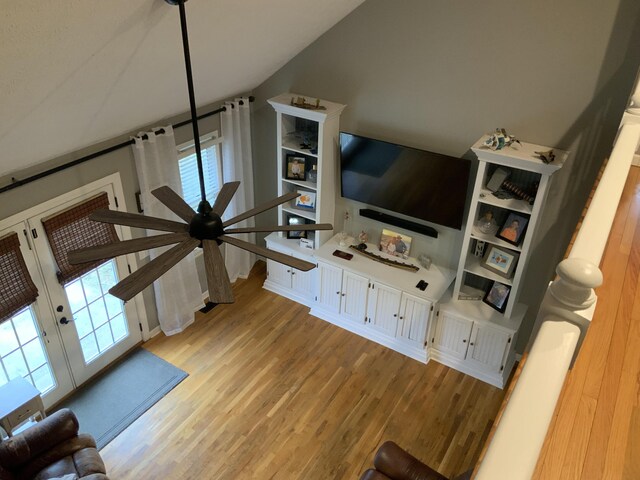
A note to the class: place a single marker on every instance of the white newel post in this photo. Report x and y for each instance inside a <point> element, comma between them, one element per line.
<point>575,283</point>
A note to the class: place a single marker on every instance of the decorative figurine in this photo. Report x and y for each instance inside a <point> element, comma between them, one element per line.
<point>363,237</point>
<point>500,139</point>
<point>487,224</point>
<point>302,103</point>
<point>546,157</point>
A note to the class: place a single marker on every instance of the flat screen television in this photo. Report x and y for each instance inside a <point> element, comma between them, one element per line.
<point>420,184</point>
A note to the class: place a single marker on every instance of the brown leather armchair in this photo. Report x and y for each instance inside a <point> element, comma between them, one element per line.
<point>393,463</point>
<point>51,449</point>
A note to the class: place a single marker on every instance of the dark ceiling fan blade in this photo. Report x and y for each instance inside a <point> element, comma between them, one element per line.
<point>217,277</point>
<point>116,249</point>
<point>147,274</point>
<point>261,208</point>
<point>174,202</point>
<point>282,228</point>
<point>265,252</point>
<point>135,220</point>
<point>227,192</point>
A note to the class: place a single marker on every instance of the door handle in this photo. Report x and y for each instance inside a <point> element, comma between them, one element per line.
<point>65,321</point>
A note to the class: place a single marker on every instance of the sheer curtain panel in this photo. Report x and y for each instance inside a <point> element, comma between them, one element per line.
<point>237,165</point>
<point>178,292</point>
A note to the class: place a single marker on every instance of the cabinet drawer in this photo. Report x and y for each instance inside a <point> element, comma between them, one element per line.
<point>18,416</point>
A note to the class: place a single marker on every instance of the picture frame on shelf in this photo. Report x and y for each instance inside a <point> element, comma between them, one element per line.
<point>500,261</point>
<point>296,234</point>
<point>395,244</point>
<point>306,200</point>
<point>296,168</point>
<point>497,296</point>
<point>512,230</point>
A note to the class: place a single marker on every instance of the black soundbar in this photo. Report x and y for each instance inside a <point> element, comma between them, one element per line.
<point>399,222</point>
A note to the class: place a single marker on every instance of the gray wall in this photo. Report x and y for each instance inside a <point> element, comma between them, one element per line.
<point>437,75</point>
<point>27,196</point>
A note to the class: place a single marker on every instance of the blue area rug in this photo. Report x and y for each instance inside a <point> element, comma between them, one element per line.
<point>109,404</point>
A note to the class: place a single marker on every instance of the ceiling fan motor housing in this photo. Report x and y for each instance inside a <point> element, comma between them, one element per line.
<point>206,226</point>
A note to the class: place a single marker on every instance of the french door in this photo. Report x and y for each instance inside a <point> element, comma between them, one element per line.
<point>73,331</point>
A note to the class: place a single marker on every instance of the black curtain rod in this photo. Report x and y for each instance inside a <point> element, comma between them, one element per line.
<point>15,183</point>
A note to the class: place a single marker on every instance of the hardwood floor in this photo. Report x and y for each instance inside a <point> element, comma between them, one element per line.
<point>596,431</point>
<point>275,393</point>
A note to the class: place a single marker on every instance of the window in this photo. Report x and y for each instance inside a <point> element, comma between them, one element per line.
<point>212,163</point>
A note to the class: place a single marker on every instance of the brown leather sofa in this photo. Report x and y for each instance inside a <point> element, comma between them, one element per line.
<point>51,449</point>
<point>393,463</point>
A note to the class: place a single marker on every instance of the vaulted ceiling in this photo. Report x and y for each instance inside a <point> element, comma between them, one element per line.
<point>77,72</point>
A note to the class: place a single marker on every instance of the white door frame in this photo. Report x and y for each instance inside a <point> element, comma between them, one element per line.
<point>114,180</point>
<point>48,331</point>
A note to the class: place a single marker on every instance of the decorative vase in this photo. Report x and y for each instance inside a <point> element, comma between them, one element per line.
<point>312,175</point>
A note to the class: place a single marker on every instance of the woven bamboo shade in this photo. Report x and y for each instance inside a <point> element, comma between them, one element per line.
<point>17,290</point>
<point>71,229</point>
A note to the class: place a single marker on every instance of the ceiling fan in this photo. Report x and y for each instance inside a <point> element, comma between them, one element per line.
<point>204,228</point>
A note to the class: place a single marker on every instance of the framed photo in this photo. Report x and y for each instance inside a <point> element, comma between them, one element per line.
<point>395,244</point>
<point>306,200</point>
<point>296,233</point>
<point>512,231</point>
<point>497,295</point>
<point>295,168</point>
<point>500,261</point>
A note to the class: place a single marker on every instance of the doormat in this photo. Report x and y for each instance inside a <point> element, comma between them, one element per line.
<point>112,402</point>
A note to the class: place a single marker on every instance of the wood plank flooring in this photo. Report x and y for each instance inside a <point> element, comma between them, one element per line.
<point>274,393</point>
<point>596,430</point>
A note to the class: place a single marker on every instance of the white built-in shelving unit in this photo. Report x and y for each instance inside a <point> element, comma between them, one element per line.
<point>468,334</point>
<point>312,135</point>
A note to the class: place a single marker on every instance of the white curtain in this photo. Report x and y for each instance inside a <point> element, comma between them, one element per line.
<point>178,292</point>
<point>237,165</point>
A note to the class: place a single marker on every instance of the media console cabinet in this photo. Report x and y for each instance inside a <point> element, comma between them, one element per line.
<point>446,322</point>
<point>366,297</point>
<point>383,304</point>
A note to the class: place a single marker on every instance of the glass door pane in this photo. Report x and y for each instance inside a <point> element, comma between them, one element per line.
<point>99,318</point>
<point>22,352</point>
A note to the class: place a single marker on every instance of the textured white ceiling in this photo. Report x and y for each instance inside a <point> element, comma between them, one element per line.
<point>76,72</point>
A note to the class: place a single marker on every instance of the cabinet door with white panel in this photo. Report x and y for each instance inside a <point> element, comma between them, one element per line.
<point>482,348</point>
<point>452,335</point>
<point>288,281</point>
<point>414,319</point>
<point>355,289</point>
<point>279,274</point>
<point>302,282</point>
<point>382,308</point>
<point>329,287</point>
<point>488,347</point>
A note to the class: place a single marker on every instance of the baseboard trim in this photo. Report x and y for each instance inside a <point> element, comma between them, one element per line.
<point>154,332</point>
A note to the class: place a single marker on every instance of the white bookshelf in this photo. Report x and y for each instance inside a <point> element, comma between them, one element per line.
<point>298,128</point>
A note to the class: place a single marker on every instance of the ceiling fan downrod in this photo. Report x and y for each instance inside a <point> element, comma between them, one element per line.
<point>204,208</point>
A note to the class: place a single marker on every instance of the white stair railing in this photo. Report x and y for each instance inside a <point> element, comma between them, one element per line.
<point>562,321</point>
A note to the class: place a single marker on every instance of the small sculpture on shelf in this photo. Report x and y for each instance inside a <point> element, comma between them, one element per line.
<point>487,224</point>
<point>301,102</point>
<point>363,238</point>
<point>547,156</point>
<point>500,139</point>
